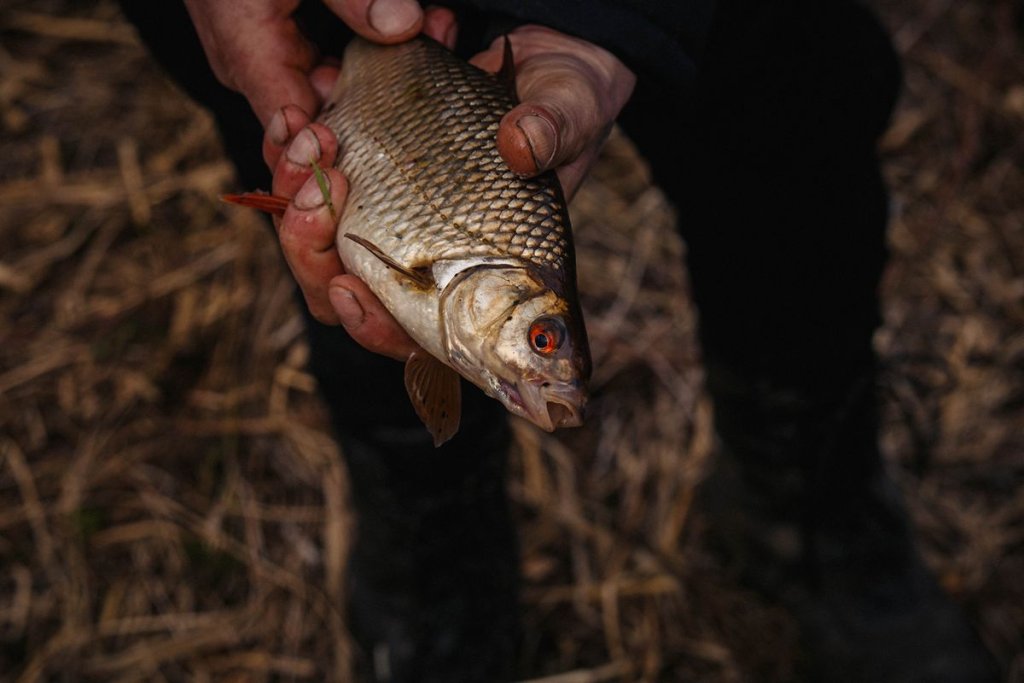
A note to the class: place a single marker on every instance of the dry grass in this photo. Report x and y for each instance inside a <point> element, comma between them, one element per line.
<point>173,507</point>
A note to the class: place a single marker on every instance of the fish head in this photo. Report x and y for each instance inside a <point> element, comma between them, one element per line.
<point>519,341</point>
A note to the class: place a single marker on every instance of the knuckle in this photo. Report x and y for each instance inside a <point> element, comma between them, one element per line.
<point>321,311</point>
<point>288,234</point>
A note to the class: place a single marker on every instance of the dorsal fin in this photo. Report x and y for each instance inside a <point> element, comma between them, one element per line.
<point>435,393</point>
<point>507,73</point>
<point>419,277</point>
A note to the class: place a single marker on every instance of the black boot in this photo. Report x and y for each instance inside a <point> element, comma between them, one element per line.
<point>804,511</point>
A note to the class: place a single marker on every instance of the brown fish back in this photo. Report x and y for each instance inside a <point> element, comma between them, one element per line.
<point>417,129</point>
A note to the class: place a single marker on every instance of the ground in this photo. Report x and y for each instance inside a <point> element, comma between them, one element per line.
<point>172,506</point>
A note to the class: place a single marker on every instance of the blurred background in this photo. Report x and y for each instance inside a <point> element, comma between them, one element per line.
<point>172,506</point>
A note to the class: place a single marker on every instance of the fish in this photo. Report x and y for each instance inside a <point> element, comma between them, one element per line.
<point>476,263</point>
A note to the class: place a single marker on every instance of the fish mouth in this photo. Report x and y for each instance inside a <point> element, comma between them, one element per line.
<point>545,404</point>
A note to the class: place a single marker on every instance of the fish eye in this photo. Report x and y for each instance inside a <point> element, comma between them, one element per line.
<point>546,335</point>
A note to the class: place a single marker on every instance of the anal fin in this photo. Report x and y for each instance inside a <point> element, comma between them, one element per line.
<point>435,393</point>
<point>423,279</point>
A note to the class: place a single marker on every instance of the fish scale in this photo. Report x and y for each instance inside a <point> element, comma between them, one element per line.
<point>416,128</point>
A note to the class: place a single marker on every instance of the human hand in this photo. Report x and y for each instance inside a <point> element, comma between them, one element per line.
<point>307,230</point>
<point>306,206</point>
<point>256,48</point>
<point>570,94</point>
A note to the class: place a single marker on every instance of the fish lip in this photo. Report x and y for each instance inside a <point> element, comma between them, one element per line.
<point>549,405</point>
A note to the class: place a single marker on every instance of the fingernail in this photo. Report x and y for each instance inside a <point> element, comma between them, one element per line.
<point>277,129</point>
<point>451,34</point>
<point>541,137</point>
<point>304,148</point>
<point>346,305</point>
<point>392,17</point>
<point>310,196</point>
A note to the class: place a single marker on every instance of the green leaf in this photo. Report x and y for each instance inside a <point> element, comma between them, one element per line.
<point>321,180</point>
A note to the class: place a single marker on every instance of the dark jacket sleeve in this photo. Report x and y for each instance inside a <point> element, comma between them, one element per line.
<point>660,40</point>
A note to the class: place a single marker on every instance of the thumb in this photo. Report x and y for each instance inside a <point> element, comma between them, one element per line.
<point>535,137</point>
<point>382,21</point>
<point>562,114</point>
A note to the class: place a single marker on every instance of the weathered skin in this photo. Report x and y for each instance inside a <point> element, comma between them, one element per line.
<point>493,252</point>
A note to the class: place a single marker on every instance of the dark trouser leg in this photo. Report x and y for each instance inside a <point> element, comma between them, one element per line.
<point>433,575</point>
<point>774,171</point>
<point>786,233</point>
<point>433,571</point>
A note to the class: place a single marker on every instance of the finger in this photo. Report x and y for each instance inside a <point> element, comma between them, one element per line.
<point>528,135</point>
<point>559,106</point>
<point>529,139</point>
<point>314,143</point>
<point>257,49</point>
<point>307,233</point>
<point>560,115</point>
<point>570,92</point>
<point>283,125</point>
<point>278,76</point>
<point>323,77</point>
<point>571,175</point>
<point>439,24</point>
<point>382,21</point>
<point>367,321</point>
<point>273,87</point>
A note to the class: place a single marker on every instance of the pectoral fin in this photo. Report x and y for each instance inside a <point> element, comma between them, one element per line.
<point>419,277</point>
<point>435,393</point>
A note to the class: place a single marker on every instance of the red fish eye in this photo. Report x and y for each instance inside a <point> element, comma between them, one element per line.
<point>546,335</point>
